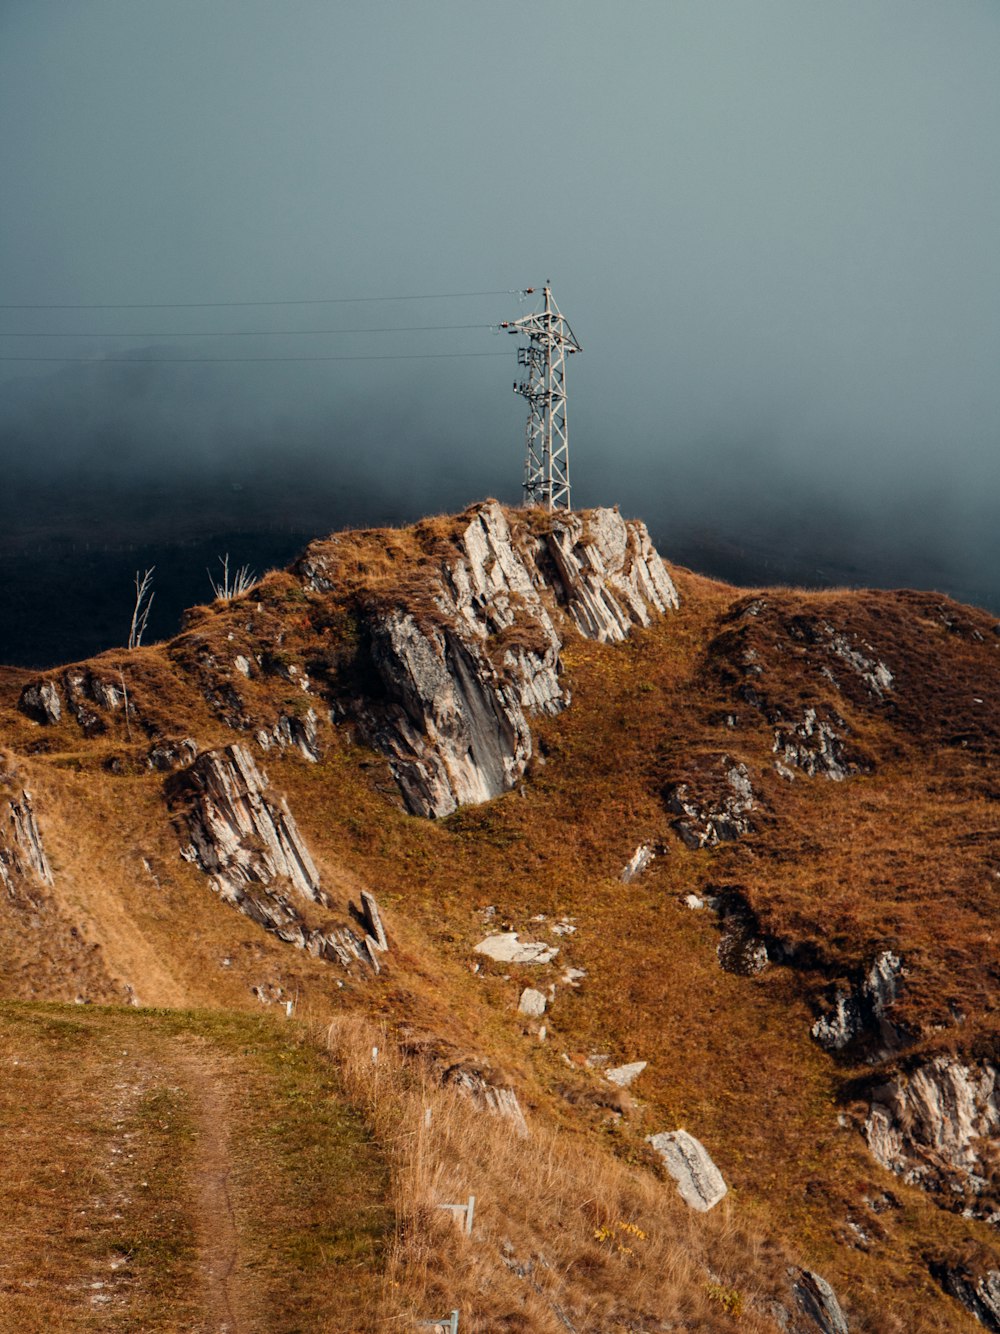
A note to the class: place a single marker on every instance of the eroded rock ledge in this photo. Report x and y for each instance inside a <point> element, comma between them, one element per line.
<point>247,842</point>
<point>463,665</point>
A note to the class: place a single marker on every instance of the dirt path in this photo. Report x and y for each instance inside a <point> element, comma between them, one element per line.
<point>215,1220</point>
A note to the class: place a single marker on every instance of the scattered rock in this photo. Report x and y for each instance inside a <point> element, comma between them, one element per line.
<point>532,1003</point>
<point>860,1010</point>
<point>693,901</point>
<point>817,1300</point>
<point>642,857</point>
<point>572,977</point>
<point>686,1159</point>
<point>499,1099</point>
<point>373,920</point>
<point>624,1075</point>
<point>507,948</point>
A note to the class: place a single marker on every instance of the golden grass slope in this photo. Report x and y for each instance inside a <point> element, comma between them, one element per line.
<point>901,855</point>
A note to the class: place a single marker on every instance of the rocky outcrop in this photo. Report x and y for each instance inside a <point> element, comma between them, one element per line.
<point>248,844</point>
<point>610,572</point>
<point>643,856</point>
<point>933,1126</point>
<point>22,854</point>
<point>172,753</point>
<point>238,834</point>
<point>817,747</point>
<point>687,1160</point>
<point>859,1009</point>
<point>41,701</point>
<point>465,662</point>
<point>817,1301</point>
<point>293,731</point>
<point>714,806</point>
<point>488,1096</point>
<point>978,1293</point>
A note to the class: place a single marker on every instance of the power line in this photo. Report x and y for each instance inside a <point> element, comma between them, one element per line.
<point>218,305</point>
<point>256,333</point>
<point>208,361</point>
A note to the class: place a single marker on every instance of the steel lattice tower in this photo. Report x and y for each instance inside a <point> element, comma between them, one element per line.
<point>550,342</point>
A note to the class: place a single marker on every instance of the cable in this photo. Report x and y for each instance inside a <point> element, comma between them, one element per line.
<point>217,305</point>
<point>258,333</point>
<point>207,361</point>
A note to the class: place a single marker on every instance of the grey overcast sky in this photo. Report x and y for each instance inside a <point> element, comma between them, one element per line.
<point>773,225</point>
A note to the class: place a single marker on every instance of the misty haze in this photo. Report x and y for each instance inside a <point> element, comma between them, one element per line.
<point>772,226</point>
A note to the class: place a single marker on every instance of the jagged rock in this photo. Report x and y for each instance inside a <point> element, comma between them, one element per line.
<point>250,847</point>
<point>817,748</point>
<point>875,674</point>
<point>532,1003</point>
<point>980,1295</point>
<point>373,920</point>
<point>687,1160</point>
<point>172,753</point>
<point>861,1010</point>
<point>507,948</point>
<point>721,813</point>
<point>41,701</point>
<point>294,731</point>
<point>463,668</point>
<point>637,863</point>
<point>817,1300</point>
<point>239,835</point>
<point>89,695</point>
<point>932,1128</point>
<point>610,572</point>
<point>625,1075</point>
<point>22,852</point>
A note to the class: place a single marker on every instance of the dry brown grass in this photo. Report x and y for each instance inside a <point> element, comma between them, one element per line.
<point>565,1235</point>
<point>905,856</point>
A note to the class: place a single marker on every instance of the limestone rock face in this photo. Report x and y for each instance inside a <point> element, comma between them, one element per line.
<point>687,1160</point>
<point>611,574</point>
<point>933,1127</point>
<point>238,834</point>
<point>462,669</point>
<point>22,854</point>
<point>249,845</point>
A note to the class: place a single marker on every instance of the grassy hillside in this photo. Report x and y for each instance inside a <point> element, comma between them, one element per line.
<point>577,1218</point>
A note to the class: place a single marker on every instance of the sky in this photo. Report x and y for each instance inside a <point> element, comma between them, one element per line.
<point>772,225</point>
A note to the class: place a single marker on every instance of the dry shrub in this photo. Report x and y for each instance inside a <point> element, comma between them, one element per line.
<point>566,1237</point>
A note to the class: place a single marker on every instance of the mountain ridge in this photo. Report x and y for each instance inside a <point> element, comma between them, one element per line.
<point>787,759</point>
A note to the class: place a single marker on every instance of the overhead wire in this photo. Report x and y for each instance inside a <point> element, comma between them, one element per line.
<point>202,361</point>
<point>250,333</point>
<point>219,305</point>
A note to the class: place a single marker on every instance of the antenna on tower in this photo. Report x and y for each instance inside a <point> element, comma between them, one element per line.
<point>550,342</point>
